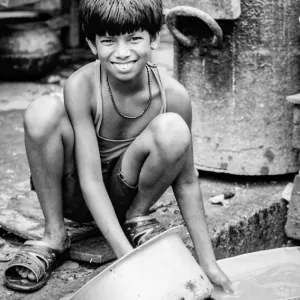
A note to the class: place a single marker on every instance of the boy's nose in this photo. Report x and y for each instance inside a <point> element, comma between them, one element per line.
<point>122,50</point>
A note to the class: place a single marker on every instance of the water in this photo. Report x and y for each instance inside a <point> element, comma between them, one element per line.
<point>272,282</point>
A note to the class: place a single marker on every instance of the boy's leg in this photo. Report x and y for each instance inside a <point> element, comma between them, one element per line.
<point>49,144</point>
<point>154,160</point>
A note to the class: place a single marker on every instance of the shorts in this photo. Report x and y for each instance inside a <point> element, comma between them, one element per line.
<point>120,192</point>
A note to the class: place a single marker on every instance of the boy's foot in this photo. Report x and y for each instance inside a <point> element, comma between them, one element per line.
<point>141,229</point>
<point>32,266</point>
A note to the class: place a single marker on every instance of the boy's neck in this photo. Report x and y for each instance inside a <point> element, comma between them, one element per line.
<point>130,86</point>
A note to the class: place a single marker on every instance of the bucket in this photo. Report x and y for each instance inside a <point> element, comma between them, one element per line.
<point>160,269</point>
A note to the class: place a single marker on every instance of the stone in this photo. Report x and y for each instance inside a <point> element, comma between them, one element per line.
<point>292,227</point>
<point>93,250</point>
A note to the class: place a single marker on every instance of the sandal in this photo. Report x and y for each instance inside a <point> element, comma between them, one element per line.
<point>141,229</point>
<point>39,259</point>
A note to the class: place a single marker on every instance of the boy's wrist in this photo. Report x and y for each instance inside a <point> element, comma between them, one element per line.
<point>210,266</point>
<point>216,275</point>
<point>207,263</point>
<point>120,252</point>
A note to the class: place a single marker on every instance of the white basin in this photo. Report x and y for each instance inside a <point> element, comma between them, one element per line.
<point>263,275</point>
<point>160,269</point>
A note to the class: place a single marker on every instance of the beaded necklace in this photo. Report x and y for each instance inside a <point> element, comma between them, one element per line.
<point>115,106</point>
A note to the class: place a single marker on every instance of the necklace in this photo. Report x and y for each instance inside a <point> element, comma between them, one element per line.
<point>115,106</point>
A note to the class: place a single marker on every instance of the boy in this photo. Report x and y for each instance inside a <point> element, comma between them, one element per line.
<point>123,132</point>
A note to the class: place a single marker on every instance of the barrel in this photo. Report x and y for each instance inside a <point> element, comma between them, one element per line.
<point>242,123</point>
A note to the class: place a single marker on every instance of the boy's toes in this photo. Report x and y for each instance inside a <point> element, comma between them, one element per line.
<point>24,273</point>
<point>19,270</point>
<point>31,276</point>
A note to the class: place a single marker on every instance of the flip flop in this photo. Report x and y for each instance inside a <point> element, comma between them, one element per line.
<point>141,229</point>
<point>39,259</point>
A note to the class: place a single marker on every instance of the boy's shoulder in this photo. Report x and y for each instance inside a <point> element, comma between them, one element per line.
<point>174,90</point>
<point>80,81</point>
<point>177,97</point>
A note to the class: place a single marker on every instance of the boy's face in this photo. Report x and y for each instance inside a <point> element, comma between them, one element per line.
<point>124,56</point>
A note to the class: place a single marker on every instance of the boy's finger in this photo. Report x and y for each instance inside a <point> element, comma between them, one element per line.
<point>228,288</point>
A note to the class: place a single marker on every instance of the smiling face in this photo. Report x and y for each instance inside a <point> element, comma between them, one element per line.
<point>124,56</point>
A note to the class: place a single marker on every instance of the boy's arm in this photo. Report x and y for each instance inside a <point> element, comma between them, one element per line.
<point>89,167</point>
<point>188,195</point>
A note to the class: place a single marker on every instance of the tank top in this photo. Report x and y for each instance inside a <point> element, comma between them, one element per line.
<point>110,149</point>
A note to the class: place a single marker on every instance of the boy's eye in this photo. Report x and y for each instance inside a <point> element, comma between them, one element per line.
<point>135,38</point>
<point>107,42</point>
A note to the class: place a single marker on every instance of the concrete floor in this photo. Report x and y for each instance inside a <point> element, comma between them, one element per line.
<point>253,220</point>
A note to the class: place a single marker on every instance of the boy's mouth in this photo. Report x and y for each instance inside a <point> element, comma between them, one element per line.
<point>124,66</point>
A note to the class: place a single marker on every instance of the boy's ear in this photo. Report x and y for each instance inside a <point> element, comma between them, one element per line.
<point>92,46</point>
<point>155,41</point>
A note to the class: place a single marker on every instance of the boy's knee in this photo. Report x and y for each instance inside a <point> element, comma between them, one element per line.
<point>42,117</point>
<point>171,134</point>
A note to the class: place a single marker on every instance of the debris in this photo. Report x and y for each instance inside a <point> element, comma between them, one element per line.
<point>160,204</point>
<point>174,210</point>
<point>287,192</point>
<point>53,79</point>
<point>222,198</point>
<point>19,129</point>
<point>7,251</point>
<point>69,265</point>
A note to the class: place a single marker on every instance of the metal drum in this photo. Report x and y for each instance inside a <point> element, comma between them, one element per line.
<point>242,122</point>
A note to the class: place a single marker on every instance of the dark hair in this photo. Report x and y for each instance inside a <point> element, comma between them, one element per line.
<point>116,17</point>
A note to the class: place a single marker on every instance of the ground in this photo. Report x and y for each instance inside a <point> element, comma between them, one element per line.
<point>251,196</point>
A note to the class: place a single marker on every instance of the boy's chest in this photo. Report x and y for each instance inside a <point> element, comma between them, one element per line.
<point>117,127</point>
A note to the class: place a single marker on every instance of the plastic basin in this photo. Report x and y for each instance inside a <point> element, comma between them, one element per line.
<point>161,269</point>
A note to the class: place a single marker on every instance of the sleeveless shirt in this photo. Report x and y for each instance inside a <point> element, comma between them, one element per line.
<point>110,149</point>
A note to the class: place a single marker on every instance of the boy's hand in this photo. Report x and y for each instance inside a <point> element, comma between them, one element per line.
<point>219,278</point>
